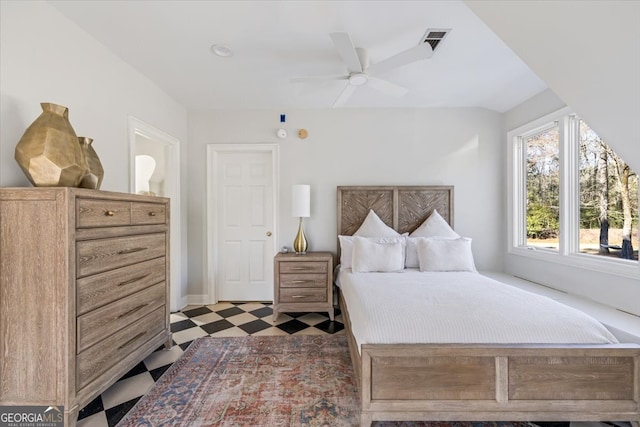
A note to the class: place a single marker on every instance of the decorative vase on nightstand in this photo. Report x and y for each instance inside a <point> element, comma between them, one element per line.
<point>300,242</point>
<point>48,152</point>
<point>93,177</point>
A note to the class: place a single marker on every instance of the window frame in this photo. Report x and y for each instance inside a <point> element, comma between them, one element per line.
<point>568,252</point>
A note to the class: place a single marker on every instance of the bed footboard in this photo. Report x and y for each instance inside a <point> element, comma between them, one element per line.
<point>500,382</point>
<point>478,382</point>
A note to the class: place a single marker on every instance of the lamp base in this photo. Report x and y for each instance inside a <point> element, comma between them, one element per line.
<point>300,242</point>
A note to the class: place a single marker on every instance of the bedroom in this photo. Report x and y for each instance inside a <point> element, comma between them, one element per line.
<point>45,56</point>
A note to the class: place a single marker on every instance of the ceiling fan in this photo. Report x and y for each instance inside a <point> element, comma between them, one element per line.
<point>360,72</point>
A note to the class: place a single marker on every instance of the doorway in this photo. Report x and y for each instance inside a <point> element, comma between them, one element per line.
<point>242,183</point>
<point>155,170</point>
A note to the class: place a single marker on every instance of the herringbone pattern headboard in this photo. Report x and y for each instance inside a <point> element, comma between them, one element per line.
<point>403,208</point>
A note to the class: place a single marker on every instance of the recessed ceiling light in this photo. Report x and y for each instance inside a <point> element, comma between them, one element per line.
<point>221,50</point>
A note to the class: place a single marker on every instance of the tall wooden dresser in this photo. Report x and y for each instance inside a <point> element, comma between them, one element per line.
<point>84,287</point>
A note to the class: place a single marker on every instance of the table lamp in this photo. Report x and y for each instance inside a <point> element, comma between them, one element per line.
<point>300,207</point>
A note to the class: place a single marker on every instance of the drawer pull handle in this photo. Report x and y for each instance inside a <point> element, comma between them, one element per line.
<point>109,213</point>
<point>299,296</point>
<point>132,250</point>
<point>133,310</point>
<point>152,214</point>
<point>299,281</point>
<point>298,268</point>
<point>130,281</point>
<point>131,341</point>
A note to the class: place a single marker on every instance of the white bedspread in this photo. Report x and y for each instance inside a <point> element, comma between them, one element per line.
<point>458,307</point>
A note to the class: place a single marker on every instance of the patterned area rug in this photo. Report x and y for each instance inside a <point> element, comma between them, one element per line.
<point>261,381</point>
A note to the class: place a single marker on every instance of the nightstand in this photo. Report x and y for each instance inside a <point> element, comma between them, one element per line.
<point>303,283</point>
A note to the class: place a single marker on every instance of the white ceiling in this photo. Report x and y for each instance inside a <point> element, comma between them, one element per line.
<point>273,41</point>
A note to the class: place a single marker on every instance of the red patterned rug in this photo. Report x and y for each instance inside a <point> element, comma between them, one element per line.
<point>260,381</point>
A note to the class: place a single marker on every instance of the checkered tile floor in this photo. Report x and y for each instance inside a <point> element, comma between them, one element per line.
<point>219,320</point>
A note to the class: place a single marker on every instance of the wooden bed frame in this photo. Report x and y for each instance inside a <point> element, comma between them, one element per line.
<point>476,382</point>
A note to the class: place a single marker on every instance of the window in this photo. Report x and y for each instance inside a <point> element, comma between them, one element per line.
<point>608,200</point>
<point>543,188</point>
<point>573,199</point>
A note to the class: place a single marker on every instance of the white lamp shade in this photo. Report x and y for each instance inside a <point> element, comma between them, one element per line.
<point>301,201</point>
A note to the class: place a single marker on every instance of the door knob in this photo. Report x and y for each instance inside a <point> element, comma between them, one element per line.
<point>268,234</point>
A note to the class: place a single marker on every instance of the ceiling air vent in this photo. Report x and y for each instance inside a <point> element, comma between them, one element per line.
<point>435,36</point>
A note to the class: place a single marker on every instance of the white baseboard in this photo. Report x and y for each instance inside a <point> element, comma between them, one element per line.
<point>194,300</point>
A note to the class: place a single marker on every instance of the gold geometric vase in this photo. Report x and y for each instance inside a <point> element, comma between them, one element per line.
<point>94,174</point>
<point>48,152</point>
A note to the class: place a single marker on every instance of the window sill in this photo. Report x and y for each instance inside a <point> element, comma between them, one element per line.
<point>625,326</point>
<point>629,269</point>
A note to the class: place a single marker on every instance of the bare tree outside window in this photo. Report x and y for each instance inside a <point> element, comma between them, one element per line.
<point>608,200</point>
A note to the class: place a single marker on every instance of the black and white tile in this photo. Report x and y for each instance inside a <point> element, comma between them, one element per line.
<point>220,320</point>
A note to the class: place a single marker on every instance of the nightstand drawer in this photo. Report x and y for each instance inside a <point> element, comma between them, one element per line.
<point>314,280</point>
<point>303,295</point>
<point>303,267</point>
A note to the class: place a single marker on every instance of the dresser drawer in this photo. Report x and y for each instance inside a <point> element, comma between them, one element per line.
<point>303,267</point>
<point>96,360</point>
<point>303,295</point>
<point>102,213</point>
<point>99,324</point>
<point>313,280</point>
<point>101,289</point>
<point>148,213</point>
<point>96,256</point>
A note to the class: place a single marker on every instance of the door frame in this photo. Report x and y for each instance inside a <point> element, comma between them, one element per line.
<point>172,186</point>
<point>213,153</point>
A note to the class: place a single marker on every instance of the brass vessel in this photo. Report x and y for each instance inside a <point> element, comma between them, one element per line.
<point>48,152</point>
<point>300,242</point>
<point>94,174</point>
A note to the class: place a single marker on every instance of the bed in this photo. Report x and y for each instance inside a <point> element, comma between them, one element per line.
<point>471,380</point>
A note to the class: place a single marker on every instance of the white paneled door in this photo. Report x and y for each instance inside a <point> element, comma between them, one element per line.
<point>245,225</point>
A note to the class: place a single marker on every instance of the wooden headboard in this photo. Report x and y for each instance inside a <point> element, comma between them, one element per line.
<point>403,208</point>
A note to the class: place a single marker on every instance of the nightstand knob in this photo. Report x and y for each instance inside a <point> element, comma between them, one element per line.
<point>268,234</point>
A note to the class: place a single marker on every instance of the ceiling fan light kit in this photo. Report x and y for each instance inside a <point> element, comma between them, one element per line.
<point>360,72</point>
<point>358,79</point>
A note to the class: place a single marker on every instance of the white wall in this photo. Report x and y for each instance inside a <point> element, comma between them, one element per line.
<point>617,291</point>
<point>460,147</point>
<point>587,52</point>
<point>44,57</point>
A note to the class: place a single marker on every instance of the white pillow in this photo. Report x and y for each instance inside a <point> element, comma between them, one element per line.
<point>434,226</point>
<point>369,256</point>
<point>346,246</point>
<point>436,254</point>
<point>373,226</point>
<point>412,260</point>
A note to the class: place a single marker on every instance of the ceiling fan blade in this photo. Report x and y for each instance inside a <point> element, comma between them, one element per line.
<point>387,87</point>
<point>422,51</point>
<point>347,51</point>
<point>344,95</point>
<point>316,79</point>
